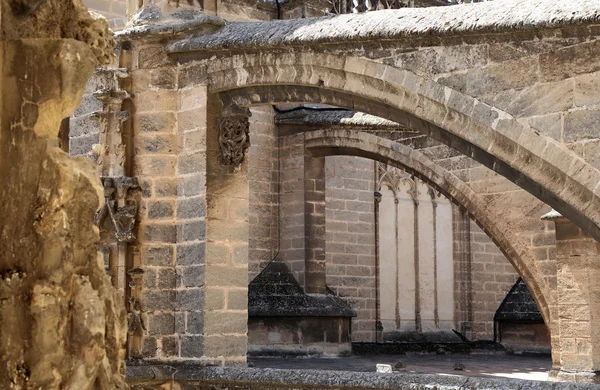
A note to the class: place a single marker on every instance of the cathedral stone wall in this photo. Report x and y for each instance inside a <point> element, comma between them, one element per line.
<point>263,182</point>
<point>350,246</point>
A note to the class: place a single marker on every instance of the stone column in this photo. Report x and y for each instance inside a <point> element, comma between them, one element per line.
<point>314,225</point>
<point>226,290</point>
<point>578,296</point>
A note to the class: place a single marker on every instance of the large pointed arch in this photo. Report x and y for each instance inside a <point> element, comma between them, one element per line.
<point>323,143</point>
<point>537,163</point>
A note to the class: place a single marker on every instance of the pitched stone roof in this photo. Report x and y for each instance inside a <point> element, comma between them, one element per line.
<point>275,292</point>
<point>492,16</point>
<point>518,305</point>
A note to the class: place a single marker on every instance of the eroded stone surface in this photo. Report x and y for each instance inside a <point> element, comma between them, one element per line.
<point>63,327</point>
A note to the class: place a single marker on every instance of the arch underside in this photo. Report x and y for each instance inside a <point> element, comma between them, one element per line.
<point>555,167</point>
<point>323,143</point>
<point>389,152</point>
<point>534,162</point>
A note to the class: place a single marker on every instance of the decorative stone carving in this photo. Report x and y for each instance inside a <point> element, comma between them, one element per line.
<point>110,153</point>
<point>234,137</point>
<point>119,190</point>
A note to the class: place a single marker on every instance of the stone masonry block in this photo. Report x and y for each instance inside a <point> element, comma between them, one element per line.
<point>162,122</point>
<point>191,231</point>
<point>195,322</point>
<point>156,144</point>
<point>160,209</point>
<point>159,300</point>
<point>215,299</point>
<point>191,208</point>
<point>192,346</point>
<point>237,299</point>
<point>216,253</point>
<point>222,322</point>
<point>160,233</point>
<point>156,165</point>
<point>192,185</point>
<point>220,275</point>
<point>216,346</point>
<point>170,346</point>
<point>167,278</point>
<point>165,188</point>
<point>191,254</point>
<point>228,230</point>
<point>193,163</point>
<point>161,324</point>
<point>149,278</point>
<point>82,145</point>
<point>190,299</point>
<point>192,276</point>
<point>153,57</point>
<point>193,120</point>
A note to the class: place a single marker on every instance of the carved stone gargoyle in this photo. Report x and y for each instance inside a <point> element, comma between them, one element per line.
<point>234,137</point>
<point>122,218</point>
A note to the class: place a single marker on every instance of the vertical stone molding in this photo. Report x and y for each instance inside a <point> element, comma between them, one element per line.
<point>234,135</point>
<point>111,151</point>
<point>578,293</point>
<point>314,225</point>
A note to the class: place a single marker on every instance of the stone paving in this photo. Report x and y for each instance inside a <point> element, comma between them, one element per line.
<point>475,365</point>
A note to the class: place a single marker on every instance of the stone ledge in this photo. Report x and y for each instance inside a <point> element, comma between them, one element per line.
<point>493,17</point>
<point>254,378</point>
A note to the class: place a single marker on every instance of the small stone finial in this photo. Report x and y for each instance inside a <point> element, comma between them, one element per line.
<point>234,135</point>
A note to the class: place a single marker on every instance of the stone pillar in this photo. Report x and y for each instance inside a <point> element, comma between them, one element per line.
<point>226,290</point>
<point>314,225</point>
<point>578,296</point>
<point>193,235</point>
<point>56,298</point>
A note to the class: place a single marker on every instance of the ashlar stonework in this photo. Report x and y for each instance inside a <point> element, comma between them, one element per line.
<point>497,114</point>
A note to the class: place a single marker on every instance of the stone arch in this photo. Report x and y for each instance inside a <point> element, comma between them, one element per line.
<point>323,143</point>
<point>494,138</point>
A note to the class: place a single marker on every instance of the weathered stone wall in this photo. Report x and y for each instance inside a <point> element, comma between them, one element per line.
<point>492,278</point>
<point>63,325</point>
<point>263,178</point>
<point>350,247</point>
<point>292,203</point>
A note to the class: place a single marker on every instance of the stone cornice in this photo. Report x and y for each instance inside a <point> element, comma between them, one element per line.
<point>488,17</point>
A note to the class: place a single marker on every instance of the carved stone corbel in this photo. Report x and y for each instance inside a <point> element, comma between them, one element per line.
<point>234,137</point>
